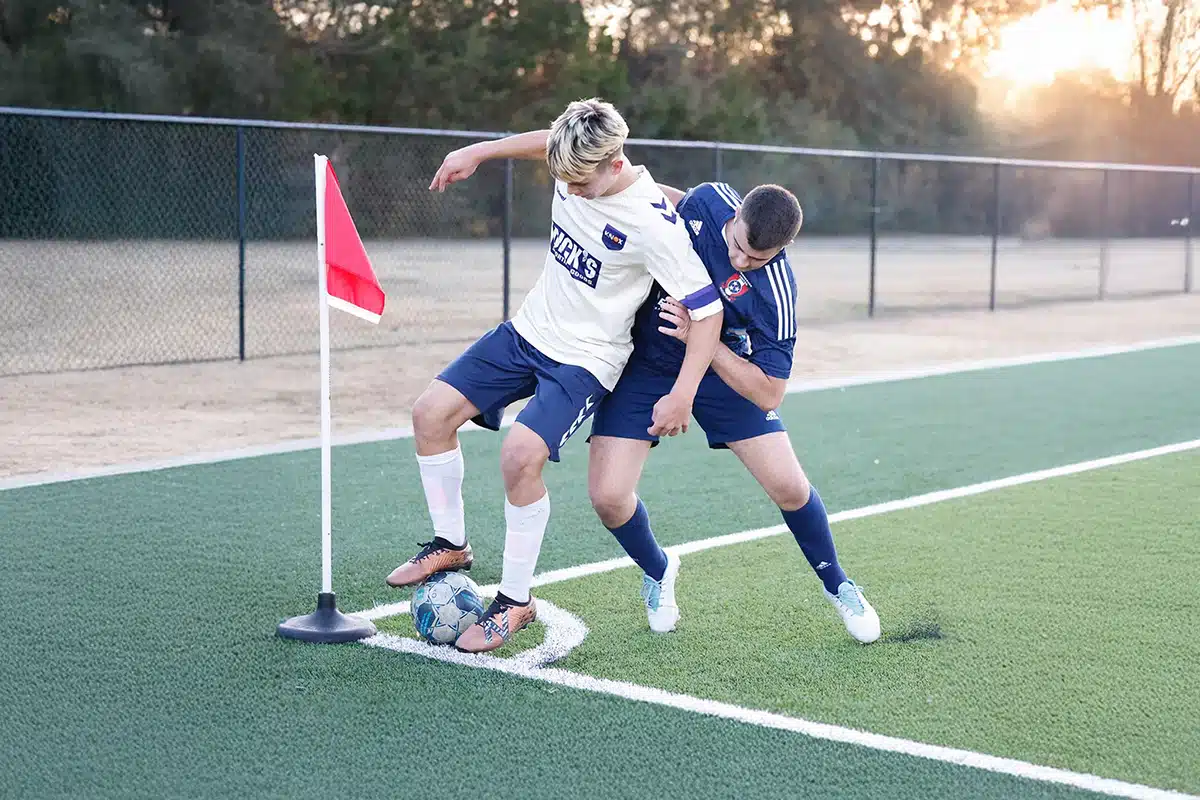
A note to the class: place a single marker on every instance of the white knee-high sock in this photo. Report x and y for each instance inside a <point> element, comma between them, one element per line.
<point>522,543</point>
<point>442,477</point>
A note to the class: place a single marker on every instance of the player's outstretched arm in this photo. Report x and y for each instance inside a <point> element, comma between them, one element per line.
<point>462,163</point>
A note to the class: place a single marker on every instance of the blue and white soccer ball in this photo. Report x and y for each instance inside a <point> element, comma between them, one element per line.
<point>445,605</point>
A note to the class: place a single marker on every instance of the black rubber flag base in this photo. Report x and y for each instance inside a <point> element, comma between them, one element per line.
<point>326,625</point>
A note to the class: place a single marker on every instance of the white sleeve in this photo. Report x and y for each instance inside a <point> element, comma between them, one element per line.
<point>674,264</point>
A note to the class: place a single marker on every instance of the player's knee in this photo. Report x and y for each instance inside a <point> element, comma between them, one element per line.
<point>430,416</point>
<point>614,505</point>
<point>522,456</point>
<point>792,494</point>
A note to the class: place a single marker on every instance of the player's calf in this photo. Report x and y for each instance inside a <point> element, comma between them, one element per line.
<point>437,415</point>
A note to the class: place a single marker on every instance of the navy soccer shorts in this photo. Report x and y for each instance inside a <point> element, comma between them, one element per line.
<point>724,414</point>
<point>502,368</point>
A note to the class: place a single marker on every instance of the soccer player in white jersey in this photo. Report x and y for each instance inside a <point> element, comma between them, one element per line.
<point>613,235</point>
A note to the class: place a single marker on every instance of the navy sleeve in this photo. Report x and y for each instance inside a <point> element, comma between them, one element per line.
<point>713,202</point>
<point>773,334</point>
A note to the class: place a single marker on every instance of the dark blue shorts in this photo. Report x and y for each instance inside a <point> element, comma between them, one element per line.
<point>502,368</point>
<point>724,414</point>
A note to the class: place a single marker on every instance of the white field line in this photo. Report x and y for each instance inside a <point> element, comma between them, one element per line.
<point>565,631</point>
<point>597,567</point>
<point>390,434</point>
<point>767,719</point>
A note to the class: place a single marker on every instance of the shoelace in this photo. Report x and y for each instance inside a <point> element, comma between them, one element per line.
<point>427,549</point>
<point>849,597</point>
<point>651,592</point>
<point>496,607</point>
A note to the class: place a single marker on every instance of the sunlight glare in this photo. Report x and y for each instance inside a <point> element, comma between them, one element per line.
<point>1055,39</point>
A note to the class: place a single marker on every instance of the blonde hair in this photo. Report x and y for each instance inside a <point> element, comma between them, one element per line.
<point>583,137</point>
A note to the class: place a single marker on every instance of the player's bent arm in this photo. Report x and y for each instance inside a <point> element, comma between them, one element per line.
<point>702,345</point>
<point>748,379</point>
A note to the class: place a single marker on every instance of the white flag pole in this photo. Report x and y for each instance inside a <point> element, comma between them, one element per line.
<point>326,421</point>
<point>326,624</point>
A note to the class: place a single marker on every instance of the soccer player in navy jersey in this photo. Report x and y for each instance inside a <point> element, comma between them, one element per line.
<point>741,243</point>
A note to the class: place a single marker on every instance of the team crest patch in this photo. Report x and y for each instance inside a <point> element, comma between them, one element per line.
<point>735,285</point>
<point>613,239</point>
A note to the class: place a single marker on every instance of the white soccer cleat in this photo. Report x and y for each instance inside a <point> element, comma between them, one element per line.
<point>661,610</point>
<point>861,620</point>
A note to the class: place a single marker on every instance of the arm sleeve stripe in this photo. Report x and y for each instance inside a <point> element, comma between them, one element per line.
<point>785,302</point>
<point>699,299</point>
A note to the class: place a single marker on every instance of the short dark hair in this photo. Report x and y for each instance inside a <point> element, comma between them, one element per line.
<point>772,215</point>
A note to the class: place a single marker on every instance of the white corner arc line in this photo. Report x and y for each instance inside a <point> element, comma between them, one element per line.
<point>795,386</point>
<point>531,667</point>
<point>564,632</point>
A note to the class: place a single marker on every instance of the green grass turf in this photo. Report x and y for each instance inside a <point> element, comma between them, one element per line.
<point>141,660</point>
<point>1050,622</point>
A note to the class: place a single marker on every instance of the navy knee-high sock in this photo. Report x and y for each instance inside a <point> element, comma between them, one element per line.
<point>639,543</point>
<point>810,525</point>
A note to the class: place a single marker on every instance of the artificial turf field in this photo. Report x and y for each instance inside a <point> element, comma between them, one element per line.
<point>1050,622</point>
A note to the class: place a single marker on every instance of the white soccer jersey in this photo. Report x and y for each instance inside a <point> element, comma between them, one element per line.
<point>604,256</point>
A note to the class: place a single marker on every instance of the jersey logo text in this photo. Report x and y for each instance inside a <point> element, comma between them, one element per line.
<point>735,285</point>
<point>662,209</point>
<point>613,239</point>
<point>583,266</point>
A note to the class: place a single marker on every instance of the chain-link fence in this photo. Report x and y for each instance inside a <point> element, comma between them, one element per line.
<point>137,240</point>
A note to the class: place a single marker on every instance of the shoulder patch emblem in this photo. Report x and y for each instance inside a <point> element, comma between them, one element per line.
<point>696,226</point>
<point>735,285</point>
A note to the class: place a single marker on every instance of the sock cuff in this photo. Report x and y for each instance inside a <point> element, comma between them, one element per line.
<point>640,515</point>
<point>438,459</point>
<point>534,508</point>
<point>814,501</point>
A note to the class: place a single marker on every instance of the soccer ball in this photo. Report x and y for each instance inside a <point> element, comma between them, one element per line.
<point>445,605</point>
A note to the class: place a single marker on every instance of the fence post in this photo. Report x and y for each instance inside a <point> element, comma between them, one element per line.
<point>1189,220</point>
<point>717,162</point>
<point>874,235</point>
<point>508,205</point>
<point>995,233</point>
<point>241,225</point>
<point>1103,287</point>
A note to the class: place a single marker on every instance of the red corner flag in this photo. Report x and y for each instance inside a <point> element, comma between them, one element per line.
<point>350,280</point>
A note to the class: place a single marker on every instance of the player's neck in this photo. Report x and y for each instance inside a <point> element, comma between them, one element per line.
<point>627,178</point>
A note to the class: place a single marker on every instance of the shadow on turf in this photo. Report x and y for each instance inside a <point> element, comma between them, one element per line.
<point>915,631</point>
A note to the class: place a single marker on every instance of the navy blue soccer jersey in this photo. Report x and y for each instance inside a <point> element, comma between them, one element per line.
<point>759,304</point>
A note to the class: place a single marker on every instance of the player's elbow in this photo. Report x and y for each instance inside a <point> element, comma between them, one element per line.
<point>772,396</point>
